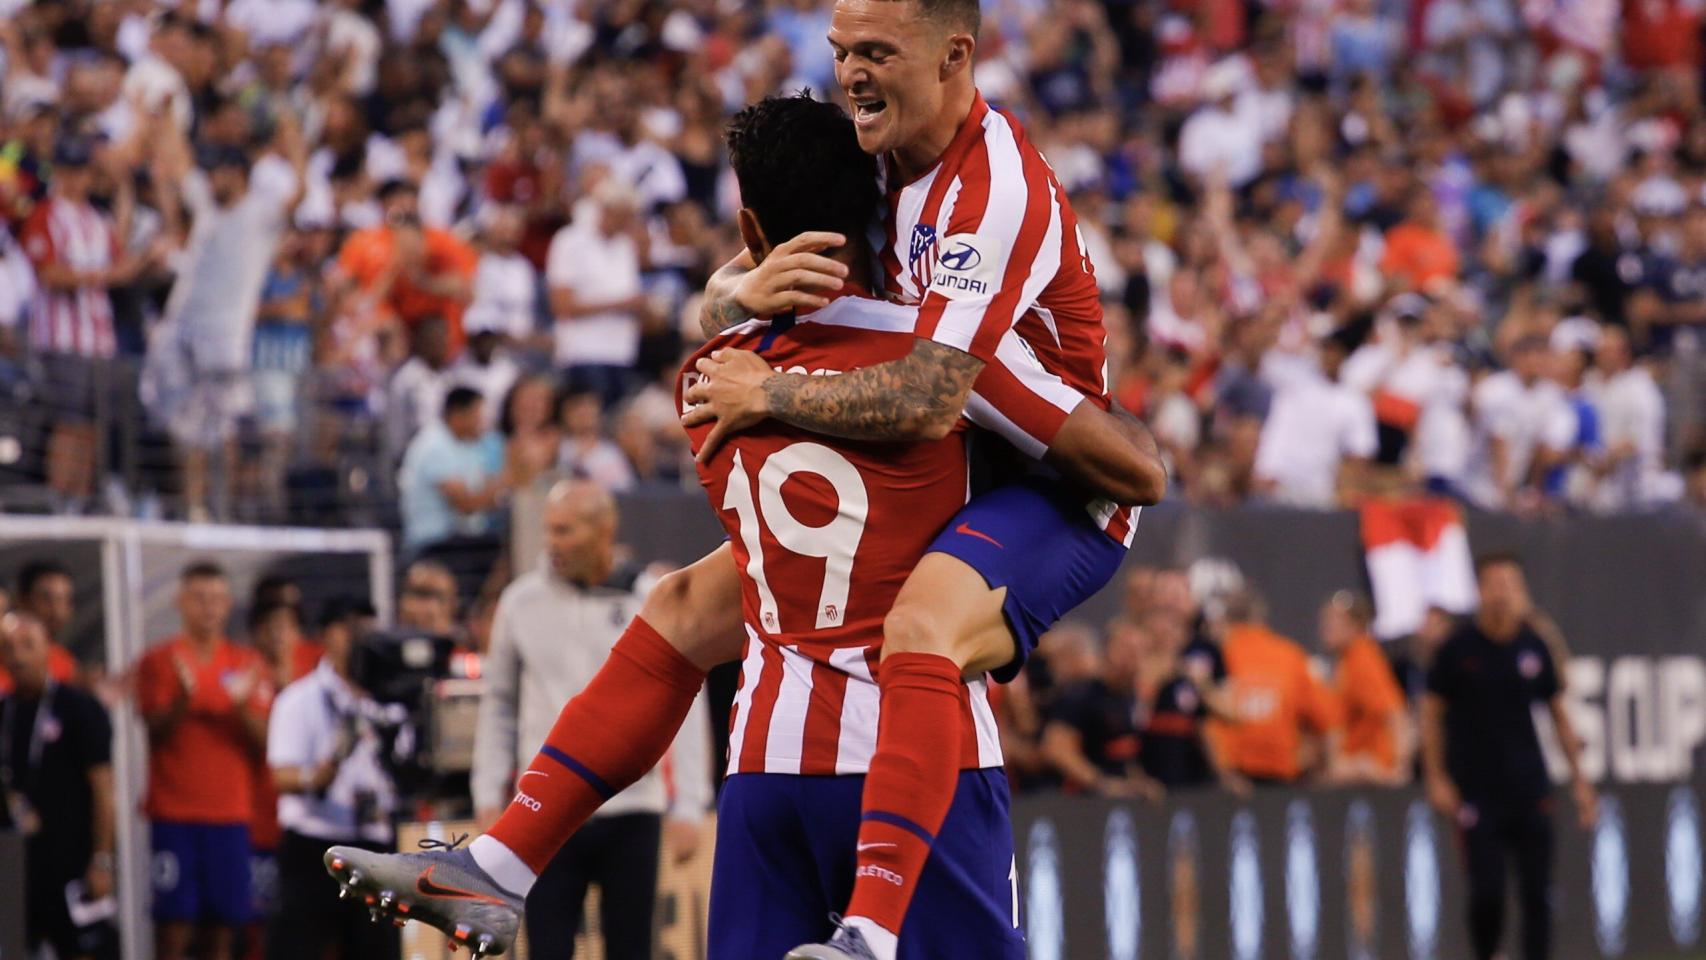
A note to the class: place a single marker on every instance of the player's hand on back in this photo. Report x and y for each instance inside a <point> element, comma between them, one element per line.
<point>794,276</point>
<point>730,393</point>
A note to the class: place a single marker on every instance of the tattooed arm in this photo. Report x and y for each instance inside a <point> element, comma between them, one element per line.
<point>917,397</point>
<point>791,277</point>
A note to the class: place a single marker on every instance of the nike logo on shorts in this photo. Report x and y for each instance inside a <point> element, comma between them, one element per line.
<point>968,531</point>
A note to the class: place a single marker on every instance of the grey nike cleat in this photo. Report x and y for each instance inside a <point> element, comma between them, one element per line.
<point>441,887</point>
<point>847,944</point>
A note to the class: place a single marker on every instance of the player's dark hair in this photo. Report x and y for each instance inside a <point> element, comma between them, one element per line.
<point>955,14</point>
<point>460,399</point>
<point>202,570</point>
<point>261,612</point>
<point>36,571</point>
<point>800,168</point>
<point>1496,558</point>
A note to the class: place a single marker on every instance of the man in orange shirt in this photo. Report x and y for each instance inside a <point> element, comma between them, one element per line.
<point>1419,255</point>
<point>410,271</point>
<point>205,702</point>
<point>1275,696</point>
<point>45,593</point>
<point>1376,744</point>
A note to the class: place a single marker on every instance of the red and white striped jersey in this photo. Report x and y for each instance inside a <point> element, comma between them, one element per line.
<point>985,242</point>
<point>77,321</point>
<point>826,530</point>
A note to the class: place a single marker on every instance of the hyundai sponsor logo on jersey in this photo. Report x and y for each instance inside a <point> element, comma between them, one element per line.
<point>1245,900</point>
<point>1302,881</point>
<point>1683,866</point>
<point>1045,923</point>
<point>1122,908</point>
<point>965,266</point>
<point>1610,877</point>
<point>1421,880</point>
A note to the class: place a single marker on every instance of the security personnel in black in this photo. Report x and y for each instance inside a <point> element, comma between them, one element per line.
<point>56,777</point>
<point>1482,759</point>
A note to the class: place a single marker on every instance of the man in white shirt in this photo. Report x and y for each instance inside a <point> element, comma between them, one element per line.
<point>554,628</point>
<point>240,215</point>
<point>333,789</point>
<point>593,271</point>
<point>1524,426</point>
<point>1632,427</point>
<point>1217,140</point>
<point>415,396</point>
<point>1316,428</point>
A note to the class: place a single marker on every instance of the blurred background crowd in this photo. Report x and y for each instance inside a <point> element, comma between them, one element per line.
<point>306,260</point>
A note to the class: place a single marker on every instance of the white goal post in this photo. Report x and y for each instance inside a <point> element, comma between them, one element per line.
<point>138,563</point>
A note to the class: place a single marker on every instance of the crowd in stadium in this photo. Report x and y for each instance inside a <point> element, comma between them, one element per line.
<point>1342,246</point>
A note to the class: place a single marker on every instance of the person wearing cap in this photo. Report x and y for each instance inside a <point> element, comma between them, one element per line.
<point>593,273</point>
<point>78,258</point>
<point>239,219</point>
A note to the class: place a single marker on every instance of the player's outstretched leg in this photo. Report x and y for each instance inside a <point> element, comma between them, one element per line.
<point>945,622</point>
<point>604,739</point>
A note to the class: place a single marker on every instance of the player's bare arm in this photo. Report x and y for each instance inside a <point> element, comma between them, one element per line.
<point>918,397</point>
<point>1113,454</point>
<point>792,277</point>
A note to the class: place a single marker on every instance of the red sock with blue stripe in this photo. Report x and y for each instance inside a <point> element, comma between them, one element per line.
<point>607,737</point>
<point>908,790</point>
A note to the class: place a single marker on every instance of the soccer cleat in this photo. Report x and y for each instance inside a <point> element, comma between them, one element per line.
<point>441,887</point>
<point>847,944</point>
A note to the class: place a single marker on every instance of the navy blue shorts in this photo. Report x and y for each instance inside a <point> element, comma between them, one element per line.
<point>1040,543</point>
<point>201,873</point>
<point>785,861</point>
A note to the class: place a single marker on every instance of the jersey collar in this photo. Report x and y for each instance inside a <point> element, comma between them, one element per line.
<point>970,130</point>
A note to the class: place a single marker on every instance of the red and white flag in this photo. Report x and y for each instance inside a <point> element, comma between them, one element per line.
<point>1418,557</point>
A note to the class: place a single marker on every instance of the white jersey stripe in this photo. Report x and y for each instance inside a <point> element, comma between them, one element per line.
<point>983,718</point>
<point>858,735</point>
<point>1003,216</point>
<point>750,669</point>
<point>786,743</point>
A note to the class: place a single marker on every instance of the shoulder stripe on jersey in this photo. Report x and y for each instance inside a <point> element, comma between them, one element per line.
<point>971,205</point>
<point>1039,213</point>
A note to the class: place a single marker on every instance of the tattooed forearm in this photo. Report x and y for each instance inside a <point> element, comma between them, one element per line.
<point>718,311</point>
<point>917,397</point>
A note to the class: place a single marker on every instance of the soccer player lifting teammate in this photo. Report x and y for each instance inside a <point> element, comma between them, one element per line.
<point>619,727</point>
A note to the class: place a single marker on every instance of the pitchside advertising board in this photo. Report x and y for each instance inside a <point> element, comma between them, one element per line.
<point>1375,874</point>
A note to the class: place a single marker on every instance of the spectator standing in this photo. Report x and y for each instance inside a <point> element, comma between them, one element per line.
<point>586,451</point>
<point>1631,413</point>
<point>1281,709</point>
<point>45,592</point>
<point>506,287</point>
<point>1419,255</point>
<point>77,254</point>
<point>57,779</point>
<point>414,398</point>
<point>599,306</point>
<point>239,219</point>
<point>275,632</point>
<point>1482,760</point>
<point>1524,427</point>
<point>1174,712</point>
<point>1375,746</point>
<point>452,479</point>
<point>1318,433</point>
<point>532,436</point>
<point>1218,145</point>
<point>1091,735</point>
<point>489,368</point>
<point>325,755</point>
<point>406,272</point>
<point>205,701</point>
<point>530,671</point>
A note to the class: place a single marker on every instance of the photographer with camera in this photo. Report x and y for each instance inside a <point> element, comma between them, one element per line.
<point>326,752</point>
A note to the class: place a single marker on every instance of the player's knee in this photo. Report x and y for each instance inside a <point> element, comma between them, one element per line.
<point>914,628</point>
<point>667,607</point>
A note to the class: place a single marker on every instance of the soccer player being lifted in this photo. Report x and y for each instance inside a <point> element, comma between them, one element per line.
<point>619,727</point>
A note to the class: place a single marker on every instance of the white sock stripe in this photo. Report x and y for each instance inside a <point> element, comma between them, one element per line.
<point>502,865</point>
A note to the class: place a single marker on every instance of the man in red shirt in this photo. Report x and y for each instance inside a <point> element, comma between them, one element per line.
<point>205,702</point>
